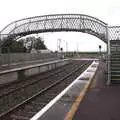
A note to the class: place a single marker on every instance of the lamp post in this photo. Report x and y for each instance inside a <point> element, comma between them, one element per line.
<point>100,50</point>
<point>58,44</point>
<point>0,43</point>
<point>66,46</point>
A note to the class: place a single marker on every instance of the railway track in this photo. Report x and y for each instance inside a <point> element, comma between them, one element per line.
<point>36,94</point>
<point>18,92</point>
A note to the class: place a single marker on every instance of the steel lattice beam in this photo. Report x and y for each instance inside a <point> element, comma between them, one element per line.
<point>61,22</point>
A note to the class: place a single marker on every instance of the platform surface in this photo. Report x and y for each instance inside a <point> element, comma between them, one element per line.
<point>101,102</point>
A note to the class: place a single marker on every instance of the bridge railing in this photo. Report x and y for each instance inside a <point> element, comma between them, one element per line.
<point>52,23</point>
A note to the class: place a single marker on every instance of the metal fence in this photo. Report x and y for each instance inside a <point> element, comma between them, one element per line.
<point>15,58</point>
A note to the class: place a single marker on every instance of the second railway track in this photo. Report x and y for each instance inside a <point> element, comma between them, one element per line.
<point>36,95</point>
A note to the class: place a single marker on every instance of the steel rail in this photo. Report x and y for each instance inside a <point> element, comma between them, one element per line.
<point>7,113</point>
<point>16,92</point>
<point>33,82</point>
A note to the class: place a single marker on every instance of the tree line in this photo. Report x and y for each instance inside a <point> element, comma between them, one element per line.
<point>23,45</point>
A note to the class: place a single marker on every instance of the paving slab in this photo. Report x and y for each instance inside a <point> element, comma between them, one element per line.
<point>101,102</point>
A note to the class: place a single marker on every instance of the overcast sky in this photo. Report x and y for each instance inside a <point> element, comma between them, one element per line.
<point>106,10</point>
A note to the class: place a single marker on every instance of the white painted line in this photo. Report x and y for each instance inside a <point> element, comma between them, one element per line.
<point>52,102</point>
<point>42,111</point>
<point>86,59</point>
<point>75,105</point>
<point>31,66</point>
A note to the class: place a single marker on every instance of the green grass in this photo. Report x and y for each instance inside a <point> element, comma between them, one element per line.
<point>83,54</point>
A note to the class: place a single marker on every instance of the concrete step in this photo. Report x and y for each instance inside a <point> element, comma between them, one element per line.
<point>117,76</point>
<point>115,62</point>
<point>115,72</point>
<point>115,49</point>
<point>113,42</point>
<point>112,58</point>
<point>115,81</point>
<point>115,68</point>
<point>114,54</point>
<point>114,46</point>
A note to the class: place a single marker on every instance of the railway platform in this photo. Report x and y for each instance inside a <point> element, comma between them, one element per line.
<point>11,66</point>
<point>88,97</point>
<point>101,102</point>
<point>64,105</point>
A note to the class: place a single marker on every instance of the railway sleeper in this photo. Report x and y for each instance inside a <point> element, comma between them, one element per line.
<point>16,117</point>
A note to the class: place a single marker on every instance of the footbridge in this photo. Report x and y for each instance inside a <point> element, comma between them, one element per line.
<point>65,22</point>
<point>57,23</point>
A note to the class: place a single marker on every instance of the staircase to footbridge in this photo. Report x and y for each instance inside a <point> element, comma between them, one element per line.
<point>70,22</point>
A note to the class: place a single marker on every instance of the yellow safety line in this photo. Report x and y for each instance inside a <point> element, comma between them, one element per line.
<point>75,105</point>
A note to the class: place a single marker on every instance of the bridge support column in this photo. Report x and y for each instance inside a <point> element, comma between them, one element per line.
<point>0,43</point>
<point>108,58</point>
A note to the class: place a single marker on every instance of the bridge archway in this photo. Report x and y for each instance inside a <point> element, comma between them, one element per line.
<point>55,23</point>
<point>72,41</point>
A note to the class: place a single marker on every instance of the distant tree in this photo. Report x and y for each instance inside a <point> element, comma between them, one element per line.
<point>29,42</point>
<point>13,46</point>
<point>39,44</point>
<point>17,46</point>
<point>33,42</point>
<point>23,45</point>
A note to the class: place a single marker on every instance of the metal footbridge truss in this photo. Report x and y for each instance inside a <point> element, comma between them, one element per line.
<point>57,23</point>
